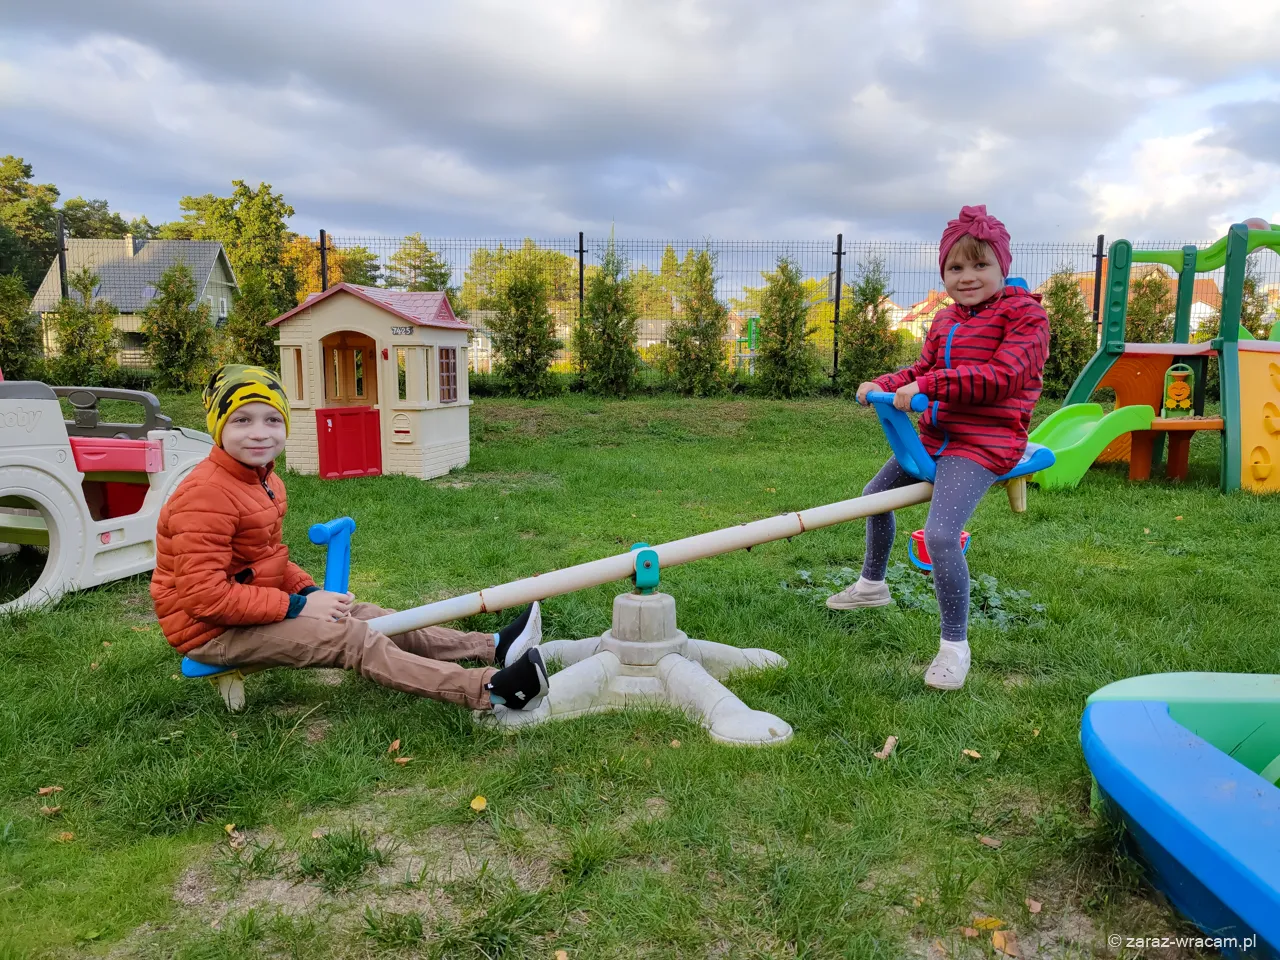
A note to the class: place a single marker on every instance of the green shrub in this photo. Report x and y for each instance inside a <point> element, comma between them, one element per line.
<point>786,365</point>
<point>179,334</point>
<point>524,332</point>
<point>868,347</point>
<point>21,353</point>
<point>1071,337</point>
<point>86,335</point>
<point>696,336</point>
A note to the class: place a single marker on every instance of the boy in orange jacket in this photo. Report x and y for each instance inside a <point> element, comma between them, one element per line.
<point>227,594</point>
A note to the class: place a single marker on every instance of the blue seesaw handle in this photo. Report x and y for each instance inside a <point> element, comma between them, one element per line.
<point>918,403</point>
<point>337,564</point>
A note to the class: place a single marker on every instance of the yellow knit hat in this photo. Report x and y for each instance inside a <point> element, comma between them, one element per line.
<point>235,384</point>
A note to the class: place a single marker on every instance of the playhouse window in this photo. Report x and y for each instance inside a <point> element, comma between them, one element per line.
<point>411,374</point>
<point>291,374</point>
<point>448,374</point>
<point>359,374</point>
<point>334,374</point>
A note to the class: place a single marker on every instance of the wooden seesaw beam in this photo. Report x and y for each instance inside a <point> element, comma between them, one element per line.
<point>596,572</point>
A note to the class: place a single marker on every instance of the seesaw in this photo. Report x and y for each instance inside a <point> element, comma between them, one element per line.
<point>644,659</point>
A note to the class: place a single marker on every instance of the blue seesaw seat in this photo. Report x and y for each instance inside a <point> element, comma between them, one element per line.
<point>196,670</point>
<point>916,460</point>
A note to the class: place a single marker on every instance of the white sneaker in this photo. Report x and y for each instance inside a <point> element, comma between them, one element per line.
<point>949,667</point>
<point>526,639</point>
<point>864,593</point>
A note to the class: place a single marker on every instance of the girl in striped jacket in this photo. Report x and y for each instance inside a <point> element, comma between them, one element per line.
<point>981,366</point>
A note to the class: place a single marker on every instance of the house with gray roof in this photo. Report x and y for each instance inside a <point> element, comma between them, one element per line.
<point>129,272</point>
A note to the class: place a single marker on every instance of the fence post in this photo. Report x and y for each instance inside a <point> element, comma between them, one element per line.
<point>582,255</point>
<point>1098,259</point>
<point>835,319</point>
<point>61,229</point>
<point>324,261</point>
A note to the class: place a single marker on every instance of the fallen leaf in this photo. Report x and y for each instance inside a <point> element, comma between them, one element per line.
<point>230,828</point>
<point>141,629</point>
<point>106,643</point>
<point>395,746</point>
<point>93,666</point>
<point>319,832</point>
<point>49,811</point>
<point>1146,529</point>
<point>65,837</point>
<point>675,744</point>
<point>971,753</point>
<point>45,791</point>
<point>1034,906</point>
<point>987,923</point>
<point>770,489</point>
<point>917,902</point>
<point>479,803</point>
<point>1005,943</point>
<point>1177,518</point>
<point>562,955</point>
<point>991,842</point>
<point>969,932</point>
<point>402,760</point>
<point>939,948</point>
<point>883,753</point>
<point>1035,732</point>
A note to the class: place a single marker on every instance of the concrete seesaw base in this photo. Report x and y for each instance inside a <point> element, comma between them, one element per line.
<point>643,659</point>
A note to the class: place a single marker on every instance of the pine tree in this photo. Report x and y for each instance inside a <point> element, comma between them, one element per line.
<point>786,365</point>
<point>179,334</point>
<point>868,347</point>
<point>20,349</point>
<point>1071,336</point>
<point>697,333</point>
<point>85,333</point>
<point>524,331</point>
<point>251,339</point>
<point>605,340</point>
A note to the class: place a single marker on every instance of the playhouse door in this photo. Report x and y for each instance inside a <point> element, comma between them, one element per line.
<point>350,442</point>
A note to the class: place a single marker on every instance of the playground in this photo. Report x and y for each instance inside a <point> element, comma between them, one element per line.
<point>335,819</point>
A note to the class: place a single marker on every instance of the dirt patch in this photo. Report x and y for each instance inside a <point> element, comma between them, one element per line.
<point>505,482</point>
<point>192,889</point>
<point>318,731</point>
<point>330,678</point>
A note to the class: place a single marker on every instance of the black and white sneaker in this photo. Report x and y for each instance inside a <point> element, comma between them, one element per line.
<point>522,685</point>
<point>520,635</point>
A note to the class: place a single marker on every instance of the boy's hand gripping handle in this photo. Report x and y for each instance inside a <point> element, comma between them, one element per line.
<point>337,564</point>
<point>919,402</point>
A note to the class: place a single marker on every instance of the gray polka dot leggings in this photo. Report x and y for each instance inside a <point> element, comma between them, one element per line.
<point>958,487</point>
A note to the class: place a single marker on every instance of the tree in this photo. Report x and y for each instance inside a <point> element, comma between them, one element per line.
<point>524,331</point>
<point>1071,336</point>
<point>1151,307</point>
<point>179,334</point>
<point>251,340</point>
<point>415,266</point>
<point>251,226</point>
<point>85,333</point>
<point>357,265</point>
<point>1253,303</point>
<point>27,221</point>
<point>605,341</point>
<point>20,348</point>
<point>868,347</point>
<point>92,220</point>
<point>697,333</point>
<point>786,365</point>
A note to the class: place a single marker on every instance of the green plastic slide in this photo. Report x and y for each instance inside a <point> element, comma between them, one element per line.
<point>1078,433</point>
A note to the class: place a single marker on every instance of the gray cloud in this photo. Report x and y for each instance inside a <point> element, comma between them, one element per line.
<point>673,117</point>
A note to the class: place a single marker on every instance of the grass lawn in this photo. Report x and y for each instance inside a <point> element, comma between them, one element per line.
<point>631,834</point>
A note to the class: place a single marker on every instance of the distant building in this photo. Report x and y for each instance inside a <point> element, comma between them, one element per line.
<point>129,273</point>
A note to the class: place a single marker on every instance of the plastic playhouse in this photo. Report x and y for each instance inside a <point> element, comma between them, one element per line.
<point>1159,387</point>
<point>1189,764</point>
<point>87,490</point>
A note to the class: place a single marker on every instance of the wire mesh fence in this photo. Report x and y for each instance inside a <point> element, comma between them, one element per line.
<point>126,273</point>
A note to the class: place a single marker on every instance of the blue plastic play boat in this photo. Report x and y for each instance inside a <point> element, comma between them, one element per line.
<point>1188,763</point>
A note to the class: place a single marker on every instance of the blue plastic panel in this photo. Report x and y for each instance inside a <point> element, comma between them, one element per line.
<point>196,670</point>
<point>1208,827</point>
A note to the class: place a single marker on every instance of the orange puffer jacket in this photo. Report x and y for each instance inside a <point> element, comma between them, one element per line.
<point>220,561</point>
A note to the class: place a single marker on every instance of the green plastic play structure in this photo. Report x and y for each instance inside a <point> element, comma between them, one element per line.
<point>1080,432</point>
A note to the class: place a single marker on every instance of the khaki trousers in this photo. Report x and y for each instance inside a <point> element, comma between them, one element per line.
<point>419,661</point>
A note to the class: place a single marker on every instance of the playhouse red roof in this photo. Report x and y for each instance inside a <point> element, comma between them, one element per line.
<point>423,308</point>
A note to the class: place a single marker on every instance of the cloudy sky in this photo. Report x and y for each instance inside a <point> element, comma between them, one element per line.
<point>1153,119</point>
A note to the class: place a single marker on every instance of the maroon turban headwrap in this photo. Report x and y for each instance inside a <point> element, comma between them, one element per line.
<point>976,223</point>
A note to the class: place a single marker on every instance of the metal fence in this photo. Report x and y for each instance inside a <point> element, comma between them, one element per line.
<point>128,271</point>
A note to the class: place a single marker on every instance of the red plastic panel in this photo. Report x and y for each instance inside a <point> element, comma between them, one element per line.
<point>124,499</point>
<point>350,442</point>
<point>99,454</point>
